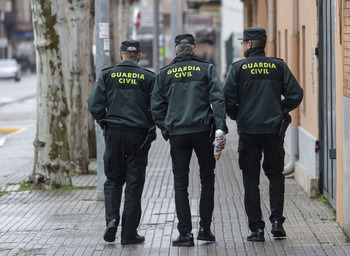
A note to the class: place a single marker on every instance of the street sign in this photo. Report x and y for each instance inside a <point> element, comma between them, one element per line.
<point>138,21</point>
<point>137,18</point>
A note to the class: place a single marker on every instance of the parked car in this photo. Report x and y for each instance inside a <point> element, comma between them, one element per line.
<point>9,68</point>
<point>25,56</point>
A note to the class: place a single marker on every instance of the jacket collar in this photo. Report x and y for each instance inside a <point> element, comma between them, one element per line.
<point>128,63</point>
<point>185,57</point>
<point>256,51</point>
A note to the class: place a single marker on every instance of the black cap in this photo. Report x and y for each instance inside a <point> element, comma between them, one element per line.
<point>254,33</point>
<point>130,46</point>
<point>184,39</point>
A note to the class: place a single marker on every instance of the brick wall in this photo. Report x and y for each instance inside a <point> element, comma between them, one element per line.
<point>346,45</point>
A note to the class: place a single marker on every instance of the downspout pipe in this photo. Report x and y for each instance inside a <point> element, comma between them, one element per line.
<point>271,26</point>
<point>293,144</point>
<point>292,132</point>
<point>293,54</point>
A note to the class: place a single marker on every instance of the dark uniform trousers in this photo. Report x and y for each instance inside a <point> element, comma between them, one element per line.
<point>123,163</point>
<point>250,150</point>
<point>181,152</point>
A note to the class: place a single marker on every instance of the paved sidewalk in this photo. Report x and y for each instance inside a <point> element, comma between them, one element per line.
<point>72,222</point>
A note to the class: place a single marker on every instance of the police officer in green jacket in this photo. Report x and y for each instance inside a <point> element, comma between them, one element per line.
<point>120,101</point>
<point>253,92</point>
<point>186,98</point>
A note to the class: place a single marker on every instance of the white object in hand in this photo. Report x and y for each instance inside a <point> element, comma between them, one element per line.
<point>219,135</point>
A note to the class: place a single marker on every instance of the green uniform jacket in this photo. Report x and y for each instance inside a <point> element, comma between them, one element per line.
<point>186,95</point>
<point>121,96</point>
<point>253,90</point>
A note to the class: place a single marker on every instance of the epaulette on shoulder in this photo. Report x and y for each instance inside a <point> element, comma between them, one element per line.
<point>237,61</point>
<point>107,68</point>
<point>150,71</point>
<point>204,61</point>
<point>164,67</point>
<point>277,58</point>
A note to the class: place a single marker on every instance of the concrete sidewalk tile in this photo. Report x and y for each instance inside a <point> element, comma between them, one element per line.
<point>72,222</point>
<point>339,251</point>
<point>295,251</point>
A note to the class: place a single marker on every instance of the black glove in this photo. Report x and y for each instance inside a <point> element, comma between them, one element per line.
<point>151,136</point>
<point>104,127</point>
<point>287,119</point>
<point>165,134</point>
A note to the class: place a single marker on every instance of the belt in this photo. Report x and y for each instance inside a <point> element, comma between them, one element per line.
<point>141,131</point>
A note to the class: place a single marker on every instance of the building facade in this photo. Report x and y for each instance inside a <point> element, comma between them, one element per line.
<point>16,32</point>
<point>313,38</point>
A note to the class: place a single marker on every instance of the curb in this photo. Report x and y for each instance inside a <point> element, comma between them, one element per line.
<point>11,132</point>
<point>17,100</point>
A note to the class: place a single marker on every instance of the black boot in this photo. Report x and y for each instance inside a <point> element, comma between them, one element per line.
<point>137,239</point>
<point>184,240</point>
<point>111,229</point>
<point>278,230</point>
<point>205,234</point>
<point>256,236</point>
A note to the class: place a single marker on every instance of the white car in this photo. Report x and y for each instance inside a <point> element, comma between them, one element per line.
<point>9,68</point>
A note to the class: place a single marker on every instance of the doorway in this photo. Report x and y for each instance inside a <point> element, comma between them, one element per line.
<point>327,111</point>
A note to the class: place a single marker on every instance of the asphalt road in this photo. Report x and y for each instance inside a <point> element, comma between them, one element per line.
<point>18,99</point>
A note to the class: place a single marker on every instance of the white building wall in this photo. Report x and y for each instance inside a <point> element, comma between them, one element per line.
<point>232,22</point>
<point>346,155</point>
<point>307,156</point>
<point>306,168</point>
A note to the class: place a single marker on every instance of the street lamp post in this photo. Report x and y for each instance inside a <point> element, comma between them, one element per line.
<point>174,24</point>
<point>102,61</point>
<point>156,35</point>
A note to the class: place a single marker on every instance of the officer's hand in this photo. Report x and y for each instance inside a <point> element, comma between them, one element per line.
<point>222,143</point>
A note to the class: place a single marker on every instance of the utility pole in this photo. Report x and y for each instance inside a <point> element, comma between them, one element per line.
<point>183,2</point>
<point>101,62</point>
<point>156,35</point>
<point>173,24</point>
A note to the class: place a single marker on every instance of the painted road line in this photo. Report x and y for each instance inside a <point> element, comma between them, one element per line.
<point>9,132</point>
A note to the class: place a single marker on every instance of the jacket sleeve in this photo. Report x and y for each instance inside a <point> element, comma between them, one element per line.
<point>292,91</point>
<point>216,99</point>
<point>230,90</point>
<point>97,100</point>
<point>159,106</point>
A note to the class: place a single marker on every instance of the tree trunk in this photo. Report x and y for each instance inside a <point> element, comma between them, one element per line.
<point>79,37</point>
<point>119,21</point>
<point>124,19</point>
<point>114,36</point>
<point>52,161</point>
